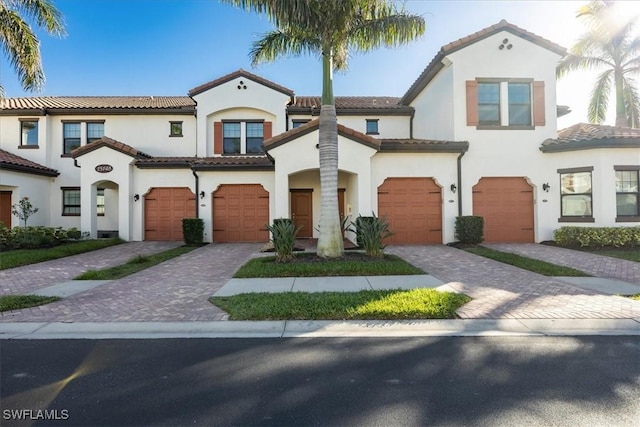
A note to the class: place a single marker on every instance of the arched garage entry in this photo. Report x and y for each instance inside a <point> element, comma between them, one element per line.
<point>413,207</point>
<point>240,213</point>
<point>164,209</point>
<point>507,207</point>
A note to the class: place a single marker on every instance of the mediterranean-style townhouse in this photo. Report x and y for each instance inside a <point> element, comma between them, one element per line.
<point>476,133</point>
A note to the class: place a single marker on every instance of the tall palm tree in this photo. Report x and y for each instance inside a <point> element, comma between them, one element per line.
<point>331,29</point>
<point>609,45</point>
<point>19,41</point>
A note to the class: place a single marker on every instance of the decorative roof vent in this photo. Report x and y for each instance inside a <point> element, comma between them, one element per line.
<point>505,43</point>
<point>242,85</point>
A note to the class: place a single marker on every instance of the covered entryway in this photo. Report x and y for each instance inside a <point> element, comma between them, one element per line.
<point>164,209</point>
<point>507,207</point>
<point>240,213</point>
<point>413,207</point>
<point>5,208</point>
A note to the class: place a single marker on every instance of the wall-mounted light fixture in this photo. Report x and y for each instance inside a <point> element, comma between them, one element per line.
<point>453,188</point>
<point>202,194</point>
<point>546,187</point>
<point>136,197</point>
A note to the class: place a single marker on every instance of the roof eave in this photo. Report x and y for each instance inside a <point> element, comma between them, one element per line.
<point>456,147</point>
<point>590,145</point>
<point>29,170</point>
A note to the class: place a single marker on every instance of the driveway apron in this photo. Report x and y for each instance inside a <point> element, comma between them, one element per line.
<point>503,291</point>
<point>176,290</point>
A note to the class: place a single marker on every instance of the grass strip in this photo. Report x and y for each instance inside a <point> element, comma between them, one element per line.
<point>535,265</point>
<point>135,264</point>
<point>627,254</point>
<point>310,265</point>
<point>16,258</point>
<point>379,304</point>
<point>17,302</point>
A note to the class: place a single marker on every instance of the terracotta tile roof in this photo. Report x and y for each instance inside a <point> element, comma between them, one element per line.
<point>240,73</point>
<point>111,143</point>
<point>436,63</point>
<point>10,161</point>
<point>584,136</point>
<point>45,103</point>
<point>423,145</point>
<point>313,125</point>
<point>207,163</point>
<point>346,104</point>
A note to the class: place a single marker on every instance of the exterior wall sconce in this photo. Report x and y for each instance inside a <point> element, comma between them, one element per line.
<point>202,194</point>
<point>136,197</point>
<point>546,187</point>
<point>453,188</point>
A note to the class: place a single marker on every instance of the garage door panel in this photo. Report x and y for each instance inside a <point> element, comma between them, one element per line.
<point>413,208</point>
<point>240,212</point>
<point>164,210</point>
<point>507,207</point>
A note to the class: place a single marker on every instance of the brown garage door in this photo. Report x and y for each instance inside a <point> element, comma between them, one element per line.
<point>240,213</point>
<point>413,207</point>
<point>507,207</point>
<point>164,209</point>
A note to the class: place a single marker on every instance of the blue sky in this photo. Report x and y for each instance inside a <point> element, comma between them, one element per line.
<point>166,47</point>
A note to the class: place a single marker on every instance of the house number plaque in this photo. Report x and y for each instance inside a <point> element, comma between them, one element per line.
<point>104,168</point>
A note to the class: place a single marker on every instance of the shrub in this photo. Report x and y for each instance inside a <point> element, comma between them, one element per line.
<point>283,236</point>
<point>470,229</point>
<point>370,234</point>
<point>36,237</point>
<point>597,237</point>
<point>23,210</point>
<point>193,231</point>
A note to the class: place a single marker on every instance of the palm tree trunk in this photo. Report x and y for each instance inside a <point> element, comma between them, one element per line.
<point>621,110</point>
<point>330,243</point>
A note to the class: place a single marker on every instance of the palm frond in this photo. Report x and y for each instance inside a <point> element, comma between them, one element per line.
<point>44,13</point>
<point>390,30</point>
<point>280,43</point>
<point>574,63</point>
<point>631,102</point>
<point>599,99</point>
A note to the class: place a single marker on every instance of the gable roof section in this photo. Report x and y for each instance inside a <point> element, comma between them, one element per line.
<point>97,104</point>
<point>240,73</point>
<point>380,105</point>
<point>586,136</point>
<point>436,63</point>
<point>15,163</point>
<point>412,145</point>
<point>110,143</point>
<point>314,125</point>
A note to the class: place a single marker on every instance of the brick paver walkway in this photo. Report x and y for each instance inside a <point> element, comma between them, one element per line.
<point>595,265</point>
<point>29,278</point>
<point>503,291</point>
<point>176,290</point>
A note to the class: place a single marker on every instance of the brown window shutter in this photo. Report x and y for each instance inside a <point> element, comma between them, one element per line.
<point>267,131</point>
<point>538,104</point>
<point>472,103</point>
<point>217,137</point>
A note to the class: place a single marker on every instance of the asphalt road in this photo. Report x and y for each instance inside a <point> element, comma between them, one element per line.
<point>490,381</point>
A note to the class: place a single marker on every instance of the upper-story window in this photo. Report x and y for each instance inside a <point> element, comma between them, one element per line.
<point>296,123</point>
<point>505,103</point>
<point>95,131</point>
<point>255,137</point>
<point>71,136</point>
<point>29,133</point>
<point>240,136</point>
<point>175,128</point>
<point>576,199</point>
<point>231,137</point>
<point>627,193</point>
<point>372,126</point>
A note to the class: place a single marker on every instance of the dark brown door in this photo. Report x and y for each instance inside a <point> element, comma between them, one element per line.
<point>240,213</point>
<point>5,208</point>
<point>302,211</point>
<point>507,207</point>
<point>341,206</point>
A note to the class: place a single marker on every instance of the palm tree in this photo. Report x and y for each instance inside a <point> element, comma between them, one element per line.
<point>609,45</point>
<point>331,29</point>
<point>20,43</point>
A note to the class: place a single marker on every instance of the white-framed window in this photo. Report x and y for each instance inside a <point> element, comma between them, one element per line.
<point>576,197</point>
<point>95,131</point>
<point>29,133</point>
<point>627,193</point>
<point>71,136</point>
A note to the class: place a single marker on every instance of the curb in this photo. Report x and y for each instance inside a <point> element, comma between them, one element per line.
<point>321,328</point>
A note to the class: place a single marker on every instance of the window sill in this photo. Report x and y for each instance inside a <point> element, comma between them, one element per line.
<point>175,136</point>
<point>576,219</point>
<point>372,133</point>
<point>628,219</point>
<point>65,155</point>
<point>28,147</point>
<point>497,127</point>
<point>69,214</point>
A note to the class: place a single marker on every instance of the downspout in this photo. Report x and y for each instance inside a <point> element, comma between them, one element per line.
<point>459,165</point>
<point>197,192</point>
<point>413,114</point>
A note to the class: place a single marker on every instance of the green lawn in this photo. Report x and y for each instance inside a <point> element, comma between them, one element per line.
<point>16,302</point>
<point>135,264</point>
<point>383,304</point>
<point>11,259</point>
<point>310,265</point>
<point>628,254</point>
<point>537,266</point>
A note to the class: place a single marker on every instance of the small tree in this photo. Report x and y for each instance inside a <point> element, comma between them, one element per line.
<point>23,210</point>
